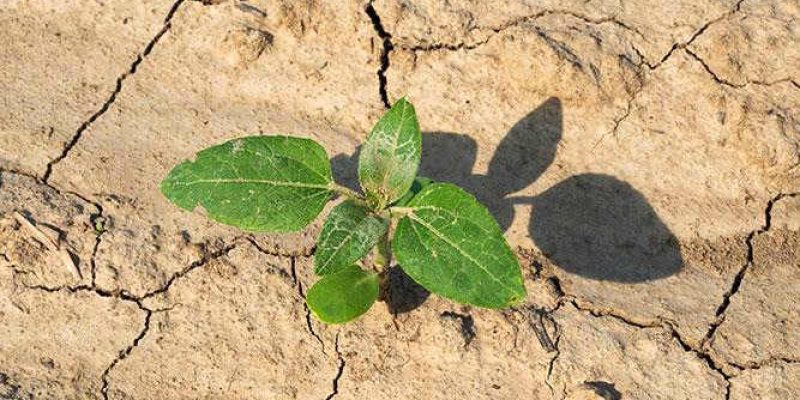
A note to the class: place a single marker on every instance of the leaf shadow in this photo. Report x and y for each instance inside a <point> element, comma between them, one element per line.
<point>404,294</point>
<point>599,227</point>
<point>592,225</point>
<point>526,151</point>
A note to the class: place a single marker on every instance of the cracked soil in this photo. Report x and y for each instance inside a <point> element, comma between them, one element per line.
<point>643,158</point>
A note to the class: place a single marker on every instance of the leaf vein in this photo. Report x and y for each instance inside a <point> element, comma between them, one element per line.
<point>259,181</point>
<point>466,255</point>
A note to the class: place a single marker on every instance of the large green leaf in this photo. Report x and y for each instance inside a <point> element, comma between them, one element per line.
<point>348,234</point>
<point>390,157</point>
<point>257,183</point>
<point>343,296</point>
<point>451,245</point>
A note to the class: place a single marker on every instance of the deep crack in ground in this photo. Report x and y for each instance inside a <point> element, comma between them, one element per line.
<point>76,137</point>
<point>301,292</point>
<point>339,370</point>
<point>668,326</point>
<point>124,354</point>
<point>740,275</point>
<point>386,49</point>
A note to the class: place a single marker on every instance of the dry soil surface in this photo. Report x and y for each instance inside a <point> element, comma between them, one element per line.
<point>643,157</point>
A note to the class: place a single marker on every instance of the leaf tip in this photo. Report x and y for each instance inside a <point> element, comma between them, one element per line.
<point>403,102</point>
<point>517,299</point>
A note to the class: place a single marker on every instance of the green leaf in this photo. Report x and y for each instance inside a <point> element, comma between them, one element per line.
<point>256,183</point>
<point>419,183</point>
<point>343,296</point>
<point>452,246</point>
<point>390,157</point>
<point>348,234</point>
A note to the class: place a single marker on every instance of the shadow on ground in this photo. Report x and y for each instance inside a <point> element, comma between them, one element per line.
<point>592,225</point>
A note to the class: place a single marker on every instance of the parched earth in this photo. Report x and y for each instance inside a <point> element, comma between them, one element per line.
<point>644,158</point>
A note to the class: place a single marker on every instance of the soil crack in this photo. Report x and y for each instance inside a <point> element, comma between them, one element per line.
<point>119,295</point>
<point>763,363</point>
<point>739,278</point>
<point>113,97</point>
<point>443,46</point>
<point>551,345</point>
<point>278,251</point>
<point>722,81</point>
<point>538,15</point>
<point>683,45</point>
<point>340,370</point>
<point>386,40</point>
<point>666,325</point>
<point>594,21</point>
<point>98,223</point>
<point>702,355</point>
<point>618,121</point>
<point>301,292</point>
<point>565,298</point>
<point>123,354</point>
<point>494,30</point>
<point>207,257</point>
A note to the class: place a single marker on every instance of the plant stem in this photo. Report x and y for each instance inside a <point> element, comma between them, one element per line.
<point>383,253</point>
<point>397,212</point>
<point>382,259</point>
<point>347,192</point>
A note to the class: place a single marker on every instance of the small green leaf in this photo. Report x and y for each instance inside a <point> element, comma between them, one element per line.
<point>419,183</point>
<point>256,183</point>
<point>343,296</point>
<point>390,157</point>
<point>348,234</point>
<point>452,246</point>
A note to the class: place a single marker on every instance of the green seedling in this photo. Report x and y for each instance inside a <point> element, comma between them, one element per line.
<point>440,235</point>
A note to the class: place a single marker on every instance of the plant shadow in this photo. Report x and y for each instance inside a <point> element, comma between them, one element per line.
<point>600,227</point>
<point>404,294</point>
<point>523,155</point>
<point>592,225</point>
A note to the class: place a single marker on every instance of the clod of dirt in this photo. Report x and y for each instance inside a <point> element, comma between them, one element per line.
<point>247,44</point>
<point>252,340</point>
<point>47,236</point>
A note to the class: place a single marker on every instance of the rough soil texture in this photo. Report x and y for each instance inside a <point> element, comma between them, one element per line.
<point>643,158</point>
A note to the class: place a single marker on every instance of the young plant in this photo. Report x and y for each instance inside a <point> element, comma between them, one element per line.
<point>441,236</point>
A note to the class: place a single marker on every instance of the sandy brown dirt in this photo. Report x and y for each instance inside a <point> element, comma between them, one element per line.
<point>643,158</point>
